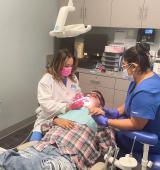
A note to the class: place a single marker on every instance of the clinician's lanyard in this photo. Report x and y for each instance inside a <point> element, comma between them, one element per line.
<point>65,81</point>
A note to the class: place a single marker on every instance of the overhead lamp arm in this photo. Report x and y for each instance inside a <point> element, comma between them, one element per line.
<point>61,30</point>
<point>70,3</point>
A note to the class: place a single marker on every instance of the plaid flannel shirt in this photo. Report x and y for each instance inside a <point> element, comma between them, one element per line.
<point>82,144</point>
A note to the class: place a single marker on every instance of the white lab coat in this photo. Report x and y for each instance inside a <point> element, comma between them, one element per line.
<point>53,97</point>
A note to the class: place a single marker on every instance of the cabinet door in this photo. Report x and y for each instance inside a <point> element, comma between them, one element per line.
<point>75,17</point>
<point>122,84</point>
<point>119,98</point>
<point>151,14</point>
<point>97,13</point>
<point>127,13</point>
<point>108,95</point>
<point>104,81</point>
<point>87,82</point>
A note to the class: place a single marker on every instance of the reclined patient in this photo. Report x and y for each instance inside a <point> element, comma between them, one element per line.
<point>71,142</point>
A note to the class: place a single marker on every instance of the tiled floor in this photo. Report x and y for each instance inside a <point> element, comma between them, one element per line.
<point>16,138</point>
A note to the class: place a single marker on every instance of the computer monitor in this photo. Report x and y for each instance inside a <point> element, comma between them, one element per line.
<point>146,35</point>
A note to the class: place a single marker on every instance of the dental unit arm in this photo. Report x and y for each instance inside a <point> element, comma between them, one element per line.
<point>62,31</point>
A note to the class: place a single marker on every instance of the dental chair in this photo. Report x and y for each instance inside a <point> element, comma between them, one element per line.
<point>126,158</point>
<point>120,159</point>
<point>147,160</point>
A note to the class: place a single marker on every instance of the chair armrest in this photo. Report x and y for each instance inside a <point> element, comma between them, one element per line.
<point>143,137</point>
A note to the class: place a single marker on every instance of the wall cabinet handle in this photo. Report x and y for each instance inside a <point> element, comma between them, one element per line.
<point>140,13</point>
<point>145,13</point>
<point>81,13</point>
<point>85,12</point>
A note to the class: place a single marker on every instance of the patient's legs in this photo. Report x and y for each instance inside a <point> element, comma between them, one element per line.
<point>31,159</point>
<point>2,150</point>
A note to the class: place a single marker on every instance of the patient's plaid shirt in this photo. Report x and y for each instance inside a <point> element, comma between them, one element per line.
<point>82,144</point>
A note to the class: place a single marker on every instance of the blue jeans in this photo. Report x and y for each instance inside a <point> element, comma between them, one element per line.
<point>31,159</point>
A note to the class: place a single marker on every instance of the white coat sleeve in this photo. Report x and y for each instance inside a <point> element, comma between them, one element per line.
<point>46,101</point>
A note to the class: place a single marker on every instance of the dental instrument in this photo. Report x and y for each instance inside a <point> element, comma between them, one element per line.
<point>61,30</point>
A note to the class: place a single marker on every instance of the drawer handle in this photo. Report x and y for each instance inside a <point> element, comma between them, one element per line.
<point>95,82</point>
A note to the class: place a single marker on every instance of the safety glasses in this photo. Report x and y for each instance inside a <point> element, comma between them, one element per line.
<point>126,66</point>
<point>95,95</point>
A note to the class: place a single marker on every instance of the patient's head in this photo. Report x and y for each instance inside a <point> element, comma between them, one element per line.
<point>96,99</point>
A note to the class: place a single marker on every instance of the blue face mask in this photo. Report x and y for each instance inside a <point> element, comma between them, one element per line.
<point>126,76</point>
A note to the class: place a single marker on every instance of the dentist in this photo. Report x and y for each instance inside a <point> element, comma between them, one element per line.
<point>56,90</point>
<point>141,110</point>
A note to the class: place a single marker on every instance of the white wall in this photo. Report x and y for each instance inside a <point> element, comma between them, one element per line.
<point>24,44</point>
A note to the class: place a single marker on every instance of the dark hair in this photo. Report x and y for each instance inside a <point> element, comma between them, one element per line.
<point>100,97</point>
<point>139,55</point>
<point>58,63</point>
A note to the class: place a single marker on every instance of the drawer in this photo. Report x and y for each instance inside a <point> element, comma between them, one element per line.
<point>122,84</point>
<point>106,81</point>
<point>88,79</point>
<point>87,87</point>
<point>119,98</point>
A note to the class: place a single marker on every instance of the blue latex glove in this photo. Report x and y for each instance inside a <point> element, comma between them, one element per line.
<point>100,120</point>
<point>111,113</point>
<point>36,136</point>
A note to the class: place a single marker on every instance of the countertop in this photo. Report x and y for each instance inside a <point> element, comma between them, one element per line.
<point>107,73</point>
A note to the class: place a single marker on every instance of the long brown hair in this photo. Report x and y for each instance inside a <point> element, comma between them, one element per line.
<point>58,63</point>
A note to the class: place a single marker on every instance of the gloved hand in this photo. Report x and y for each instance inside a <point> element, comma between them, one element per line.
<point>100,120</point>
<point>36,136</point>
<point>111,113</point>
<point>78,96</point>
<point>76,105</point>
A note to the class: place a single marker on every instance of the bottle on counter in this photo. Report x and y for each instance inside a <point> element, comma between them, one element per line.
<point>79,47</point>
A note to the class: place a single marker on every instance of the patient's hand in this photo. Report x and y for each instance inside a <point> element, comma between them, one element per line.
<point>64,123</point>
<point>96,111</point>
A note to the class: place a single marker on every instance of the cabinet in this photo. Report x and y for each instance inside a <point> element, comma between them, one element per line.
<point>127,13</point>
<point>151,14</point>
<point>113,89</point>
<point>105,85</point>
<point>97,13</point>
<point>89,12</point>
<point>115,13</point>
<point>135,14</point>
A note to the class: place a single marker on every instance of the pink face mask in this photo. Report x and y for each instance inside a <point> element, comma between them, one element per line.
<point>66,71</point>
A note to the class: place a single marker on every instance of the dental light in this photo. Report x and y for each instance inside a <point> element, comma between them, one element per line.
<point>62,31</point>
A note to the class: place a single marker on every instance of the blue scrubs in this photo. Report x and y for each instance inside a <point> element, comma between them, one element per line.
<point>143,101</point>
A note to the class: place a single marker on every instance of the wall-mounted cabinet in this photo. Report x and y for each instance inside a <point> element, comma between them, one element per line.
<point>135,14</point>
<point>126,13</point>
<point>90,12</point>
<point>115,13</point>
<point>97,13</point>
<point>151,14</point>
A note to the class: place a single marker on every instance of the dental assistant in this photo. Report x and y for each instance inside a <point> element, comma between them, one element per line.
<point>141,110</point>
<point>56,90</point>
